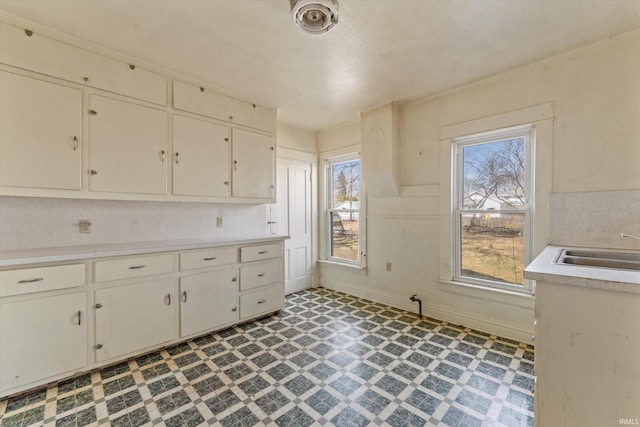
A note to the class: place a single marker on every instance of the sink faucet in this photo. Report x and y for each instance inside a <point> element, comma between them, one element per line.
<point>629,235</point>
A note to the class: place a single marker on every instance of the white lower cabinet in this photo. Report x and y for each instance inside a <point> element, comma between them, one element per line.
<point>133,317</point>
<point>208,301</point>
<point>263,301</point>
<point>41,338</point>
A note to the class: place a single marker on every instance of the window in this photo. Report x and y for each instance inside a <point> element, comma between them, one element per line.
<point>343,210</point>
<point>492,208</point>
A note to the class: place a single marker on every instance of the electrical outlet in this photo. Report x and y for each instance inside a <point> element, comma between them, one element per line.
<point>84,226</point>
<point>219,221</point>
<point>388,266</point>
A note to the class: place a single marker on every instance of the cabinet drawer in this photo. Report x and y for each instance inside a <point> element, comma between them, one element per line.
<point>30,280</point>
<point>264,273</point>
<point>261,302</point>
<point>256,253</point>
<point>208,258</point>
<point>132,267</point>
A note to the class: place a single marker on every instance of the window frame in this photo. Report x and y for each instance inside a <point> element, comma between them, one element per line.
<point>330,211</point>
<point>457,200</point>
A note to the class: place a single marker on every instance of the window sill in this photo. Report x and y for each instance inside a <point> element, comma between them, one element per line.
<point>343,266</point>
<point>524,297</point>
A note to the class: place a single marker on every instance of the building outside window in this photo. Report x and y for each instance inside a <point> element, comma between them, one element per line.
<point>492,207</point>
<point>343,210</point>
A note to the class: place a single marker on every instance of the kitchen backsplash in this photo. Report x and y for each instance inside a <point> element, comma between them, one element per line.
<point>27,223</point>
<point>595,219</point>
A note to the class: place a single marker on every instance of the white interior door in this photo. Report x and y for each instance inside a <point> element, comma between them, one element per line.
<point>291,214</point>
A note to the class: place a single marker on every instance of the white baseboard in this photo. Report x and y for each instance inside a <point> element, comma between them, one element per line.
<point>489,326</point>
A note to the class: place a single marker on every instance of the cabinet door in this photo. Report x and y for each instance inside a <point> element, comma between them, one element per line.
<point>201,156</point>
<point>39,134</point>
<point>253,165</point>
<point>41,338</point>
<point>133,317</point>
<point>128,147</point>
<point>208,301</point>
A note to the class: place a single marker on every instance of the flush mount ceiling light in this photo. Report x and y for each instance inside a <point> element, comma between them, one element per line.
<point>315,16</point>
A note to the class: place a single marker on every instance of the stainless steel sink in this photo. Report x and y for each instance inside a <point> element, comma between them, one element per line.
<point>600,259</point>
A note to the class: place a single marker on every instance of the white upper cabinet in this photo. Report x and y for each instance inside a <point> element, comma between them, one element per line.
<point>201,158</point>
<point>253,165</point>
<point>128,147</point>
<point>40,134</point>
<point>28,50</point>
<point>195,99</point>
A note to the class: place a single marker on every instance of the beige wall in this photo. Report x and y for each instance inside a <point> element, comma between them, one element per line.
<point>295,138</point>
<point>595,91</point>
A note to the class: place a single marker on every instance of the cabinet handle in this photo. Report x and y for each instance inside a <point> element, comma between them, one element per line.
<point>98,346</point>
<point>235,165</point>
<point>226,183</point>
<point>79,317</point>
<point>92,112</point>
<point>39,279</point>
<point>93,172</point>
<point>234,309</point>
<point>234,279</point>
<point>177,158</point>
<point>163,155</point>
<point>98,305</point>
<point>533,337</point>
<point>75,143</point>
<point>168,299</point>
<point>261,274</point>
<point>262,301</point>
<point>184,296</point>
<point>272,222</point>
<point>136,267</point>
<point>209,259</point>
<point>226,139</point>
<point>262,252</point>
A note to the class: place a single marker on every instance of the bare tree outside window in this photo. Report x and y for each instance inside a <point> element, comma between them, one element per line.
<point>491,214</point>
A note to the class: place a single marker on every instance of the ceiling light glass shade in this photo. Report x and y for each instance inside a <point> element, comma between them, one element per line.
<point>315,16</point>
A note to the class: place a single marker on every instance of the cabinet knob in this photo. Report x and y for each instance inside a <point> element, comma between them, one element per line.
<point>533,337</point>
<point>132,67</point>
<point>29,33</point>
<point>98,305</point>
<point>226,183</point>
<point>93,112</point>
<point>234,309</point>
<point>235,279</point>
<point>93,172</point>
<point>230,117</point>
<point>226,139</point>
<point>98,346</point>
<point>86,79</point>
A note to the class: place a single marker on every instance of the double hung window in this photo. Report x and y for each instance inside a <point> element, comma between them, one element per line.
<point>343,210</point>
<point>492,207</point>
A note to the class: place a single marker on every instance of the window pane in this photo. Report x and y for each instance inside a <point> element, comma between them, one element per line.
<point>345,185</point>
<point>493,175</point>
<point>344,236</point>
<point>492,247</point>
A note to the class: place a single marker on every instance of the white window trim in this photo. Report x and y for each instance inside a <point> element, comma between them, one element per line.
<point>528,133</point>
<point>361,264</point>
<point>542,117</point>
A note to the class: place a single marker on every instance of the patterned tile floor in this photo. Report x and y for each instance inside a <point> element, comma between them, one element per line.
<point>326,359</point>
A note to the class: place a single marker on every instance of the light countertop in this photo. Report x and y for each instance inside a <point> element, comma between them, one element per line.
<point>84,252</point>
<point>543,269</point>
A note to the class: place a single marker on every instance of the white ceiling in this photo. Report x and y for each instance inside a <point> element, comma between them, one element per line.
<point>380,51</point>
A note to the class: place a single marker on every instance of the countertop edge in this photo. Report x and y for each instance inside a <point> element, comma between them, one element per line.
<point>88,252</point>
<point>543,269</point>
